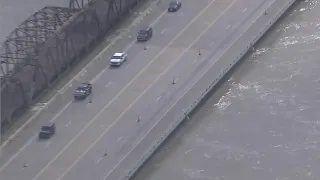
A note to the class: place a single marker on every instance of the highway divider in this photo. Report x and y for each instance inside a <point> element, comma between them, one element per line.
<point>179,111</point>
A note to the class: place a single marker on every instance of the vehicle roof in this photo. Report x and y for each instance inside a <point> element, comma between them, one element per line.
<point>118,54</point>
<point>145,28</point>
<point>48,124</point>
<point>83,85</point>
<point>174,2</point>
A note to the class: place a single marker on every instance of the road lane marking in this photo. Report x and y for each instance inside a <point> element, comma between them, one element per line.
<point>97,57</point>
<point>65,88</point>
<point>119,138</point>
<point>180,98</point>
<point>158,98</point>
<point>195,61</point>
<point>245,10</point>
<point>211,44</point>
<point>119,117</point>
<point>189,151</point>
<point>98,75</point>
<point>83,73</point>
<point>69,83</point>
<point>174,104</point>
<point>68,123</point>
<point>60,112</point>
<point>99,160</point>
<point>62,91</point>
<point>47,144</point>
<point>34,137</point>
<point>38,106</point>
<point>176,80</point>
<point>228,27</point>
<point>125,50</point>
<point>164,30</point>
<point>20,150</point>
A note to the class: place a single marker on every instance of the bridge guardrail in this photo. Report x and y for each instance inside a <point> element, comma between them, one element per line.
<point>129,165</point>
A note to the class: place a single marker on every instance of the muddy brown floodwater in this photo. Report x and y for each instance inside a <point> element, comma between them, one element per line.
<point>263,123</point>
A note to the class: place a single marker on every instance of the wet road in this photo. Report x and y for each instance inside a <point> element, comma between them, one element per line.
<point>263,122</point>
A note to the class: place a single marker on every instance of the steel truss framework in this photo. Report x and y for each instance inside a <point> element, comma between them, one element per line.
<point>46,44</point>
<point>79,4</point>
<point>21,49</point>
<point>21,46</point>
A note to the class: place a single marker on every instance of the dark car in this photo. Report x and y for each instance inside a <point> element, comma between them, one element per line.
<point>145,34</point>
<point>174,6</point>
<point>47,131</point>
<point>83,91</point>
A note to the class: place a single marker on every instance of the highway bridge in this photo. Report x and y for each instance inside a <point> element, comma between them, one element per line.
<point>132,107</point>
<point>262,122</point>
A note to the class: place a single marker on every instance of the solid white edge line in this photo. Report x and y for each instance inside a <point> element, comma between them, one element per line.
<point>68,85</point>
<point>34,137</point>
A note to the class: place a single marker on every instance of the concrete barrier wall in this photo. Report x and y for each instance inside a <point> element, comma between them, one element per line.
<point>204,83</point>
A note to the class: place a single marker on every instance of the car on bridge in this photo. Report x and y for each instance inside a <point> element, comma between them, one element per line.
<point>118,58</point>
<point>47,131</point>
<point>145,34</point>
<point>174,6</point>
<point>83,91</point>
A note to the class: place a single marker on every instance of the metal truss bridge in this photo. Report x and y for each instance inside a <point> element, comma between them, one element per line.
<point>45,45</point>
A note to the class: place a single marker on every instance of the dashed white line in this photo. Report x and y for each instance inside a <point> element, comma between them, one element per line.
<point>158,98</point>
<point>60,112</point>
<point>176,80</point>
<point>125,50</point>
<point>119,162</point>
<point>119,138</point>
<point>245,10</point>
<point>228,27</point>
<point>164,30</point>
<point>127,66</point>
<point>99,160</point>
<point>195,61</point>
<point>125,111</point>
<point>99,75</point>
<point>63,90</point>
<point>34,137</point>
<point>188,151</point>
<point>20,150</point>
<point>97,57</point>
<point>211,44</point>
<point>76,77</point>
<point>68,123</point>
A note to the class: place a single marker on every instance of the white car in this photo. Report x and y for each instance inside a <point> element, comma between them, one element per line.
<point>118,58</point>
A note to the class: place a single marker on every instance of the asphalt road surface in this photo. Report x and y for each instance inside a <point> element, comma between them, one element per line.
<point>106,122</point>
<point>94,135</point>
<point>263,121</point>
